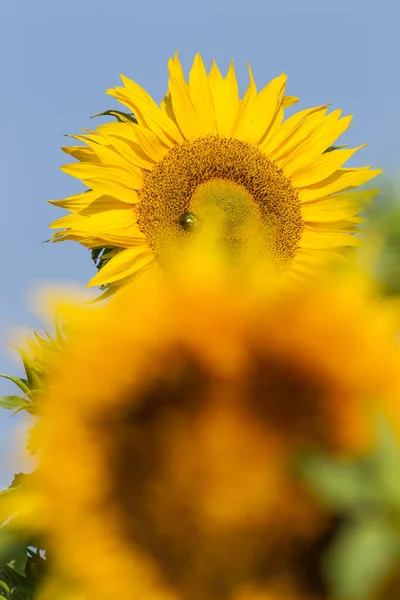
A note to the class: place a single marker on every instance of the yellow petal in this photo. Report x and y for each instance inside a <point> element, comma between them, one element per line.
<point>321,168</point>
<point>184,110</point>
<point>333,226</point>
<point>317,240</point>
<point>342,179</point>
<point>124,139</point>
<point>310,257</point>
<point>109,220</point>
<point>316,143</point>
<point>292,131</point>
<point>105,153</point>
<point>108,175</point>
<point>120,193</point>
<point>247,100</point>
<point>150,144</point>
<point>333,208</point>
<point>147,112</point>
<point>150,114</point>
<point>260,112</point>
<point>78,201</point>
<point>289,101</point>
<point>127,238</point>
<point>166,106</point>
<point>226,99</point>
<point>125,263</point>
<point>82,153</point>
<point>201,97</point>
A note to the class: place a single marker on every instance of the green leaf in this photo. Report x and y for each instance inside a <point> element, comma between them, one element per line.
<point>16,403</point>
<point>18,562</point>
<point>12,402</point>
<point>95,253</point>
<point>5,587</point>
<point>19,382</point>
<point>122,117</point>
<point>386,464</point>
<point>341,484</point>
<point>361,558</point>
<point>15,580</point>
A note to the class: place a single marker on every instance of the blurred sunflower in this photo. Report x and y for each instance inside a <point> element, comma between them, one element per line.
<point>183,406</point>
<point>160,172</point>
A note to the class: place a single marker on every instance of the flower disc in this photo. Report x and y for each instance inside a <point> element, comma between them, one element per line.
<point>223,179</point>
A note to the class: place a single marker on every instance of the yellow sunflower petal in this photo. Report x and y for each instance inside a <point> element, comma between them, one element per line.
<point>333,208</point>
<point>150,144</point>
<point>105,153</point>
<point>182,104</point>
<point>247,100</point>
<point>316,240</point>
<point>129,237</point>
<point>317,142</point>
<point>260,111</point>
<point>104,173</point>
<point>78,201</point>
<point>342,179</point>
<point>125,263</point>
<point>82,153</point>
<point>293,131</point>
<point>108,180</point>
<point>289,101</point>
<point>226,99</point>
<point>147,112</point>
<point>103,221</point>
<point>347,224</point>
<point>200,94</point>
<point>122,136</point>
<point>321,168</point>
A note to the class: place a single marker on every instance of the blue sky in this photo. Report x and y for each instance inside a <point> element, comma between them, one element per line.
<point>57,60</point>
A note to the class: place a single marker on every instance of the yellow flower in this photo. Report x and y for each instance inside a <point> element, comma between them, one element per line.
<point>154,178</point>
<point>169,426</point>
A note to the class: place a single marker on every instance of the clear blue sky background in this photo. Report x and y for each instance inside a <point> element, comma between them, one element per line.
<point>58,58</point>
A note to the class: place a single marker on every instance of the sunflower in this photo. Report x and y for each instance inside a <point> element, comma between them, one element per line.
<point>159,173</point>
<point>176,413</point>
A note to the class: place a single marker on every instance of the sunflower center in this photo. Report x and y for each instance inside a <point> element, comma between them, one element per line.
<point>220,179</point>
<point>228,203</point>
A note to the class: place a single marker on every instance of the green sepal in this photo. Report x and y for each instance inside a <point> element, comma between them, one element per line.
<point>332,148</point>
<point>122,117</point>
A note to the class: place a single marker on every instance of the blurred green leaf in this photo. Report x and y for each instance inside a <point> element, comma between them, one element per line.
<point>361,558</point>
<point>385,461</point>
<point>342,485</point>
<point>12,402</point>
<point>18,562</point>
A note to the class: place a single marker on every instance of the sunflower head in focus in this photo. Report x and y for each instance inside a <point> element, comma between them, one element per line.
<point>162,172</point>
<point>184,406</point>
